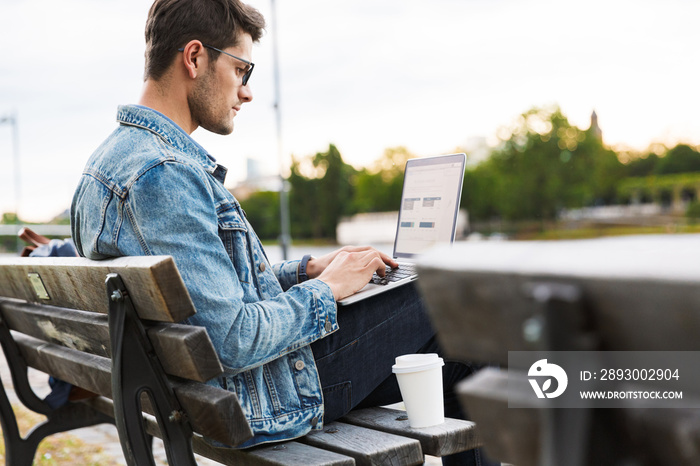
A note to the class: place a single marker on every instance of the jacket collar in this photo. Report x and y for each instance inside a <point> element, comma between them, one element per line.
<point>172,134</point>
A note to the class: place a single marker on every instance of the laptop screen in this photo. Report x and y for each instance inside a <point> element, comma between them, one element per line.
<point>432,188</point>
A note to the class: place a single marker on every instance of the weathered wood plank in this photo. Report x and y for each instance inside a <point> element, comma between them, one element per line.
<point>85,370</point>
<point>452,436</point>
<point>279,454</point>
<point>477,293</point>
<point>154,284</point>
<point>283,454</point>
<point>212,412</point>
<point>511,435</point>
<point>368,447</point>
<point>184,350</point>
<point>80,330</point>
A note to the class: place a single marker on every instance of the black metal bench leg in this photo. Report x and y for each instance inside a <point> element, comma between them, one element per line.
<point>17,450</point>
<point>21,451</point>
<point>136,370</point>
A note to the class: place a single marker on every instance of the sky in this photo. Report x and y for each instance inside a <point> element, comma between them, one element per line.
<point>366,75</point>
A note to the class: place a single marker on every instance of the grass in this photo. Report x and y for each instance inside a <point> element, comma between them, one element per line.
<point>58,449</point>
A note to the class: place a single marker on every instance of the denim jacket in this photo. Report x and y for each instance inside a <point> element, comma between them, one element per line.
<point>150,189</point>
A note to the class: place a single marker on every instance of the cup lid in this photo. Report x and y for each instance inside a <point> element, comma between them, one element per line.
<point>416,363</point>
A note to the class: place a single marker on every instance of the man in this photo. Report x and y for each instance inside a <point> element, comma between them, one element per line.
<point>151,189</point>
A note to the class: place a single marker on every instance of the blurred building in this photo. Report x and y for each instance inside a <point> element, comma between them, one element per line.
<point>255,181</point>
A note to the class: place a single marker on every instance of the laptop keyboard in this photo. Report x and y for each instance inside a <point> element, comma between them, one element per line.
<point>394,275</point>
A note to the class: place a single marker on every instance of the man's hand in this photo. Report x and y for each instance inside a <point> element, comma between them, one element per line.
<point>348,269</point>
<point>316,266</point>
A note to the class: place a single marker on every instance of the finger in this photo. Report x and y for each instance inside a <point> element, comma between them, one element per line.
<point>389,260</point>
<point>368,259</point>
<point>385,257</point>
<point>378,265</point>
<point>374,262</point>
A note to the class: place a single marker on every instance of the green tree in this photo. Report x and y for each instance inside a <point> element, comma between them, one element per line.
<point>378,189</point>
<point>598,175</point>
<point>263,212</point>
<point>643,166</point>
<point>318,200</point>
<point>542,165</point>
<point>9,218</point>
<point>680,159</point>
<point>480,191</point>
<point>533,164</point>
<point>334,190</point>
<point>302,201</point>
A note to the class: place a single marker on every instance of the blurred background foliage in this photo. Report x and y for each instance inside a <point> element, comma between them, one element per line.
<point>541,166</point>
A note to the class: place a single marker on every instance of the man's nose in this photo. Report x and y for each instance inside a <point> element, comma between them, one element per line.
<point>245,94</point>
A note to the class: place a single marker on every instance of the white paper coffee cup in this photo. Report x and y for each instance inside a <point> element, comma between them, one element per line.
<point>420,381</point>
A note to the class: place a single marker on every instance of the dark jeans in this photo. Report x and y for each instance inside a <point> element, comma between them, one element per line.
<point>355,362</point>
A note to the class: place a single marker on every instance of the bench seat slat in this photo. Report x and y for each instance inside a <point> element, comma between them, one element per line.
<point>368,447</point>
<point>154,283</point>
<point>212,412</point>
<point>278,454</point>
<point>184,350</point>
<point>285,454</point>
<point>452,436</point>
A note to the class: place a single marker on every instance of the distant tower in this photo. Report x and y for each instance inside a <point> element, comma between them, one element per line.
<point>595,129</point>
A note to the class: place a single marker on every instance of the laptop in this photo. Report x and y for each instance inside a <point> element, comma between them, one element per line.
<point>432,188</point>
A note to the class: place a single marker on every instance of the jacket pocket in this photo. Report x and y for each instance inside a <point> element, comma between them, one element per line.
<point>229,216</point>
<point>233,233</point>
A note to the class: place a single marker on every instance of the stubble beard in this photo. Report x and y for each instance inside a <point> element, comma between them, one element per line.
<point>202,102</point>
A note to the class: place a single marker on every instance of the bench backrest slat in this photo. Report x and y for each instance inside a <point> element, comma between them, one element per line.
<point>83,331</point>
<point>93,373</point>
<point>154,282</point>
<point>183,350</point>
<point>213,412</point>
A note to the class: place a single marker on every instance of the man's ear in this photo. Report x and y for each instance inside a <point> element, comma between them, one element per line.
<point>194,57</point>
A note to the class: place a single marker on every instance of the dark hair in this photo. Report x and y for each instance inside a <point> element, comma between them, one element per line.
<point>173,23</point>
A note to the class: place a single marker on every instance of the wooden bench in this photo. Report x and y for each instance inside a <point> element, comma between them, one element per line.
<point>110,327</point>
<point>613,294</point>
